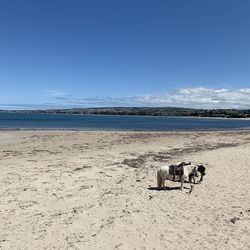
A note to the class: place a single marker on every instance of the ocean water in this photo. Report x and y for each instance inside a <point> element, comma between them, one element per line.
<point>113,122</point>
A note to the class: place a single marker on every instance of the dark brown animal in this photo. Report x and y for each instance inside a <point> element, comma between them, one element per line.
<point>201,170</point>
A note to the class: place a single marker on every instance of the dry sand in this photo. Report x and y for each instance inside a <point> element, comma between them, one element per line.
<point>95,190</point>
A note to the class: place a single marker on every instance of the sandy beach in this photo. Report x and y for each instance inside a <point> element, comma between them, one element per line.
<point>97,190</point>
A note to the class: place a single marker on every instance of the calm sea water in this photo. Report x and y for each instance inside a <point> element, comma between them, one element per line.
<point>101,122</point>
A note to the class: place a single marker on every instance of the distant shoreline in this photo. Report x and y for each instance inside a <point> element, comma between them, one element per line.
<point>136,111</point>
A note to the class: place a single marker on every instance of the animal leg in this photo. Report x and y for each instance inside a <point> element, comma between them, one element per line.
<point>194,180</point>
<point>201,178</point>
<point>159,179</point>
<point>182,182</point>
<point>191,184</point>
<point>192,187</point>
<point>163,183</point>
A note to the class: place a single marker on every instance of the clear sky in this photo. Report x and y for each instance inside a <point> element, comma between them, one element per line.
<point>76,53</point>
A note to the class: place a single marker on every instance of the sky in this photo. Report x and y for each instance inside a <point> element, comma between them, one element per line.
<point>161,53</point>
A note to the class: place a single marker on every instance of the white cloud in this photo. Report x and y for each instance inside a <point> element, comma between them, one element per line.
<point>207,98</point>
<point>210,98</point>
<point>203,98</point>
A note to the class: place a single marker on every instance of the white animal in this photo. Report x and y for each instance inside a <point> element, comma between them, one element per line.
<point>189,172</point>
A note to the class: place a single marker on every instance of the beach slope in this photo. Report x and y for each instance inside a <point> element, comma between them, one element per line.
<point>97,190</point>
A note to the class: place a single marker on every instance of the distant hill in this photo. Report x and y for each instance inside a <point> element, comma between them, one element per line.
<point>145,111</point>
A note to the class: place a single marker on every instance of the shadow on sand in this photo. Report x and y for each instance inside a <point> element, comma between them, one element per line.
<point>165,189</point>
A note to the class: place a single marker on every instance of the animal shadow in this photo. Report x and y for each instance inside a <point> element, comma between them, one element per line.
<point>165,188</point>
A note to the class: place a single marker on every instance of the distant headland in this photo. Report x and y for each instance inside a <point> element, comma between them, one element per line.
<point>144,111</point>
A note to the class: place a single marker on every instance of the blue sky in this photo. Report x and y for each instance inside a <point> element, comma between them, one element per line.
<point>75,53</point>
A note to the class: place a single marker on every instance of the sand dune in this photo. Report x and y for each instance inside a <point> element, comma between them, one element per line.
<point>96,190</point>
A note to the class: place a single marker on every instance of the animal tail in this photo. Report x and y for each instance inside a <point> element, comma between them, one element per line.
<point>159,179</point>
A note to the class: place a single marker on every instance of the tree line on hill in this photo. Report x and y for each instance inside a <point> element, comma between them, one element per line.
<point>146,111</point>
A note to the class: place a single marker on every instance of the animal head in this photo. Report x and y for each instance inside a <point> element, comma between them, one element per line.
<point>201,169</point>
